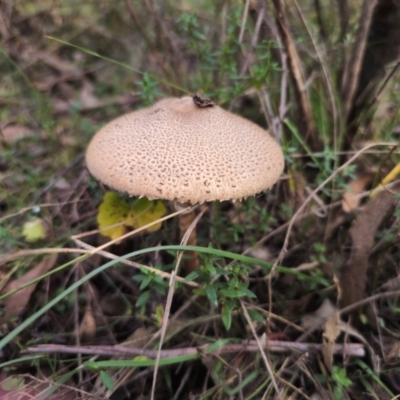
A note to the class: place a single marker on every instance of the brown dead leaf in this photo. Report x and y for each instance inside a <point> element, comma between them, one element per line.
<point>87,327</point>
<point>354,273</point>
<point>319,316</point>
<point>327,315</point>
<point>141,337</point>
<point>112,304</point>
<point>15,304</point>
<point>331,332</point>
<point>351,199</point>
<point>13,133</point>
<point>394,351</point>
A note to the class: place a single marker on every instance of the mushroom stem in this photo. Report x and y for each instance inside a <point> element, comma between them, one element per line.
<point>191,260</point>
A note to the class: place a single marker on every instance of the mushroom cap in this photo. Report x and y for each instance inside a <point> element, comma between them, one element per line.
<point>179,151</point>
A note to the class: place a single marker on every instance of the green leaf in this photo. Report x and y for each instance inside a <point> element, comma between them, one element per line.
<point>143,298</point>
<point>192,276</point>
<point>235,293</point>
<point>226,317</point>
<point>34,230</point>
<point>211,295</point>
<point>256,316</point>
<point>145,282</point>
<point>338,393</point>
<point>210,268</point>
<point>248,293</point>
<point>107,380</point>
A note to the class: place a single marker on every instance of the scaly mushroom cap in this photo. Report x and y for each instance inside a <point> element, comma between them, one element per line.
<point>177,150</point>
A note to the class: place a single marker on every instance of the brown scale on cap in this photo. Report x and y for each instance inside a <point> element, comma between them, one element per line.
<point>176,150</point>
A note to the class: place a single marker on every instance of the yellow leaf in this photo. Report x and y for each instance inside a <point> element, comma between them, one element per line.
<point>115,213</point>
<point>34,230</point>
<point>140,358</point>
<point>159,314</point>
<point>387,179</point>
<point>146,211</point>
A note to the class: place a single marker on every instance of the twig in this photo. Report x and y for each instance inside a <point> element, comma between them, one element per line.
<point>254,40</point>
<point>369,299</point>
<point>37,252</point>
<point>306,119</point>
<point>327,78</point>
<point>119,351</point>
<point>352,69</point>
<point>261,348</point>
<point>244,19</point>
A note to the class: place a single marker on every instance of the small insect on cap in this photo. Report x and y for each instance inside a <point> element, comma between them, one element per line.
<point>185,149</point>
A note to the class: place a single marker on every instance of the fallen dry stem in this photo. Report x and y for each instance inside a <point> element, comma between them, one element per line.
<point>118,351</point>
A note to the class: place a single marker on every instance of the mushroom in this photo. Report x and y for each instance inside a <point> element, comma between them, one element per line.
<point>186,150</point>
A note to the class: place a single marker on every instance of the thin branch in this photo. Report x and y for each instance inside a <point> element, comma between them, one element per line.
<point>261,348</point>
<point>244,19</point>
<point>120,351</point>
<point>352,70</point>
<point>369,299</point>
<point>305,110</point>
<point>327,78</point>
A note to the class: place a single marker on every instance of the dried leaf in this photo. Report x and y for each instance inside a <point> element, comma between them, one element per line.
<point>87,327</point>
<point>15,304</point>
<point>141,337</point>
<point>351,199</point>
<point>354,273</point>
<point>331,332</point>
<point>328,316</point>
<point>319,316</point>
<point>13,133</point>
